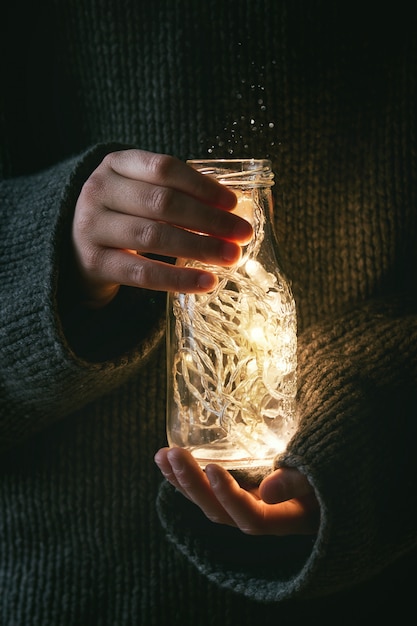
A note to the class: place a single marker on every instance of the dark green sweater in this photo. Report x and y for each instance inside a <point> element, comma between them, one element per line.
<point>89,534</point>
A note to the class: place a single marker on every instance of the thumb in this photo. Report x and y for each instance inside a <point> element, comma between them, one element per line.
<point>284,484</point>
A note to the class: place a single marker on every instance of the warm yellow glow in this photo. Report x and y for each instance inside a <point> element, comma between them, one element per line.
<point>244,205</point>
<point>257,335</point>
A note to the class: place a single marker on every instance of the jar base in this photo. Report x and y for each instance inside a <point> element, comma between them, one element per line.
<point>231,459</point>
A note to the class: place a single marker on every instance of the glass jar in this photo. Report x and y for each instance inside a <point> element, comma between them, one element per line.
<point>231,353</point>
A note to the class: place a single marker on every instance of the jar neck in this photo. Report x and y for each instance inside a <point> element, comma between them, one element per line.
<point>254,204</point>
<point>237,173</point>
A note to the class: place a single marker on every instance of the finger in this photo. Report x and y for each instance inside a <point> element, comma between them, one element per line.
<point>194,484</point>
<point>285,483</point>
<point>124,267</point>
<point>240,505</point>
<point>253,516</point>
<point>123,231</point>
<point>158,203</point>
<point>168,171</point>
<point>161,459</point>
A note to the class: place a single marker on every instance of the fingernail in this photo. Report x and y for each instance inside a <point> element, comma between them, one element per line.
<point>175,462</point>
<point>212,475</point>
<point>230,252</point>
<point>207,281</point>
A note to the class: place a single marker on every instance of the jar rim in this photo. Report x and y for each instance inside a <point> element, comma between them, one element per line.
<point>242,172</point>
<point>251,161</point>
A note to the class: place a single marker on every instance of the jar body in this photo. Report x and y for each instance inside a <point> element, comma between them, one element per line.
<point>231,353</point>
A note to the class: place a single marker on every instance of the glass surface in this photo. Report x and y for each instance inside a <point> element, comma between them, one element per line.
<point>231,353</point>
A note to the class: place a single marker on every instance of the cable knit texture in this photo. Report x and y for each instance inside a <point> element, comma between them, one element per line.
<point>89,533</point>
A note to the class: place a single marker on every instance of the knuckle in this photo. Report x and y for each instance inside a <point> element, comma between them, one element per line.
<point>92,259</point>
<point>109,160</point>
<point>114,160</point>
<point>161,166</point>
<point>94,187</point>
<point>149,237</point>
<point>161,200</point>
<point>139,274</point>
<point>84,221</point>
<point>84,229</point>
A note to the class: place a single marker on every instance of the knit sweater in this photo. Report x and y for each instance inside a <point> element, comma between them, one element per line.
<point>90,534</point>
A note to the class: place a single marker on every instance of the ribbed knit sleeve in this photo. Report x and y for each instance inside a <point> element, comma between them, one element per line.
<point>357,445</point>
<point>327,91</point>
<point>42,375</point>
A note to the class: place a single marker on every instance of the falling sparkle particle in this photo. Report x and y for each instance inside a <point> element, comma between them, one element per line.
<point>239,133</point>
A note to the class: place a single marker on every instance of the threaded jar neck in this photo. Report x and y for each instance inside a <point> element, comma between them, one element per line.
<point>237,172</point>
